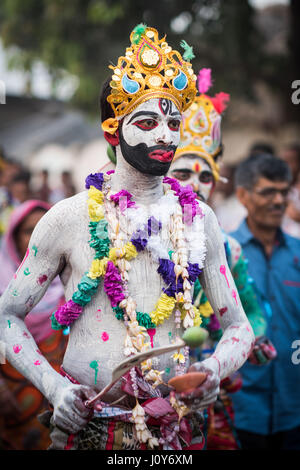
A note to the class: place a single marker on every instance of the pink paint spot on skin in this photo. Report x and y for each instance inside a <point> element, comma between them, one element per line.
<point>234,327</point>
<point>151,332</point>
<point>26,335</point>
<point>225,341</point>
<point>244,354</point>
<point>17,348</point>
<point>105,336</point>
<point>235,340</point>
<point>223,271</point>
<point>37,363</point>
<point>25,257</point>
<point>234,296</point>
<point>42,279</point>
<point>39,352</point>
<point>223,310</point>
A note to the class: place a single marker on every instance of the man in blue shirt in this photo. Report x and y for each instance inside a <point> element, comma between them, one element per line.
<point>267,409</point>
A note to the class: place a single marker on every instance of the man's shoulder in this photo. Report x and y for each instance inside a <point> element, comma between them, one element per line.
<point>292,242</point>
<point>65,212</point>
<point>70,206</point>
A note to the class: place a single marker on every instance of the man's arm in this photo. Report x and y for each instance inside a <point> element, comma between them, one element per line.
<point>44,259</point>
<point>237,341</point>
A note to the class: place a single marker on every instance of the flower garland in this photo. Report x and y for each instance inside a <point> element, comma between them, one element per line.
<point>112,263</point>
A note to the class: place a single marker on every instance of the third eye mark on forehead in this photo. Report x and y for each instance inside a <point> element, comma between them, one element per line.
<point>175,115</point>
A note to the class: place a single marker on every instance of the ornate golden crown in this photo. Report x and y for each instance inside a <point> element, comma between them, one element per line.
<point>201,125</point>
<point>151,69</point>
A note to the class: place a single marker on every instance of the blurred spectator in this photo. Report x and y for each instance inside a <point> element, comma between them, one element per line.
<point>65,190</point>
<point>291,155</point>
<point>20,402</point>
<point>227,207</point>
<point>267,408</point>
<point>44,191</point>
<point>8,171</point>
<point>261,147</point>
<point>68,185</point>
<point>291,219</point>
<point>19,188</point>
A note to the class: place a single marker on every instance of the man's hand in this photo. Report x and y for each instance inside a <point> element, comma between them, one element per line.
<point>262,352</point>
<point>70,413</point>
<point>204,395</point>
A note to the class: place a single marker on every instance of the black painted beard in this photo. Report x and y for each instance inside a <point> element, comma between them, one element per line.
<point>138,157</point>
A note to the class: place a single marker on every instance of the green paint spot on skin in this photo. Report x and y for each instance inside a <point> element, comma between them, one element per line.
<point>15,293</point>
<point>35,250</point>
<point>94,365</point>
<point>167,370</point>
<point>26,271</point>
<point>9,323</point>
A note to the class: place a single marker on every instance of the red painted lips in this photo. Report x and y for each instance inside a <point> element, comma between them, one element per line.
<point>162,155</point>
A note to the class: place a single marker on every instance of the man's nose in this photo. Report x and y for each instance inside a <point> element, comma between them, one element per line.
<point>279,198</point>
<point>195,185</point>
<point>165,137</point>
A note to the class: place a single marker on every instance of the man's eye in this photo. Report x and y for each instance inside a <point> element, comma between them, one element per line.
<point>206,177</point>
<point>146,124</point>
<point>181,175</point>
<point>174,125</point>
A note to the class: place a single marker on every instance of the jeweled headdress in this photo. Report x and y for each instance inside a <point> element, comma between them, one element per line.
<point>201,125</point>
<point>150,69</point>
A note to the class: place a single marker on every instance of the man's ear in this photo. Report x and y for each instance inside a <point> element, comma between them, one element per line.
<point>112,139</point>
<point>242,195</point>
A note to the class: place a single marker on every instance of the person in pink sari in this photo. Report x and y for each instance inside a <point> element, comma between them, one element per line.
<point>20,402</point>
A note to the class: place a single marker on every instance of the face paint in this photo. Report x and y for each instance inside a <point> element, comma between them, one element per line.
<point>196,172</point>
<point>150,135</point>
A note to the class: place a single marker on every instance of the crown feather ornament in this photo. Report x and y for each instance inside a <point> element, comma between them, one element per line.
<point>201,125</point>
<point>149,69</point>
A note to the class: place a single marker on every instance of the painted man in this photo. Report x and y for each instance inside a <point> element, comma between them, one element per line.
<point>196,164</point>
<point>128,252</point>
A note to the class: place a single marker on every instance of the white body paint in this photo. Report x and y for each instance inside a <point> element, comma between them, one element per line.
<point>62,237</point>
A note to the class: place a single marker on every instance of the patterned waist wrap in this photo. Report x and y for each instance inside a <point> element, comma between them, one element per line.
<point>112,429</point>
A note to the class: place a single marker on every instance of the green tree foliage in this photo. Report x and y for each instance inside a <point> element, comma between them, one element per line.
<point>84,36</point>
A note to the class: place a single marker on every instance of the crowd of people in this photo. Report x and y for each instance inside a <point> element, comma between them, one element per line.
<point>245,228</point>
<point>21,209</point>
